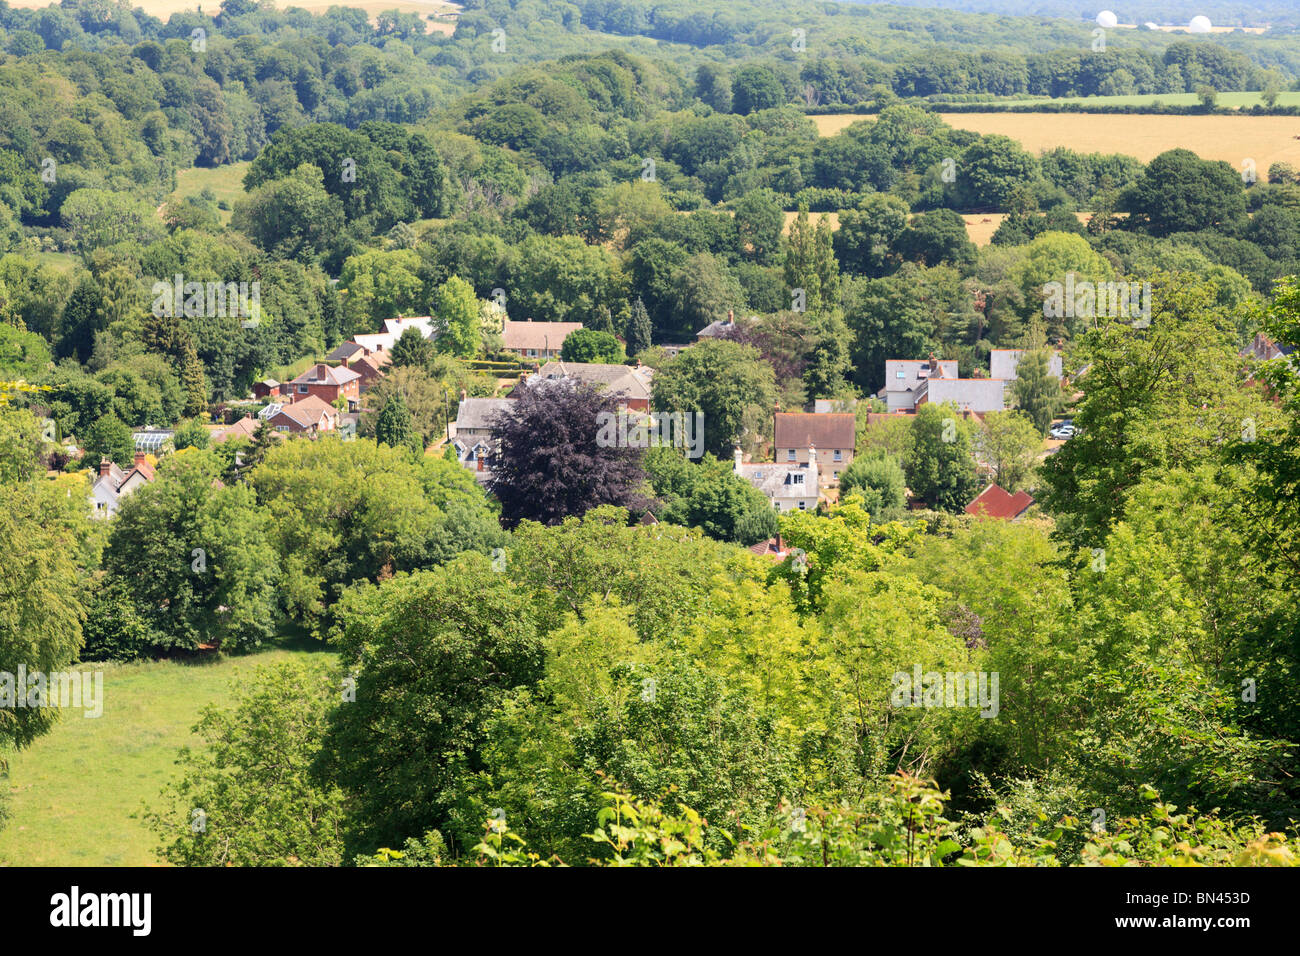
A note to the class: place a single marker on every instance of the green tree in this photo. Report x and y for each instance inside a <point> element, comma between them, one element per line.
<point>638,329</point>
<point>109,438</point>
<point>941,467</point>
<point>588,345</point>
<point>728,383</point>
<point>412,349</point>
<point>393,426</point>
<point>1036,390</point>
<point>877,479</point>
<point>1009,443</point>
<point>457,318</point>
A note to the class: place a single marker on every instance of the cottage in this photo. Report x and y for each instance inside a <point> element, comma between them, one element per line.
<point>536,340</point>
<point>113,483</point>
<point>267,388</point>
<point>307,416</point>
<point>797,434</point>
<point>790,487</point>
<point>631,384</point>
<point>475,449</point>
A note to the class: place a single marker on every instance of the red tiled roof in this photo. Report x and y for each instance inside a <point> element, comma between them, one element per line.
<point>801,429</point>
<point>995,502</point>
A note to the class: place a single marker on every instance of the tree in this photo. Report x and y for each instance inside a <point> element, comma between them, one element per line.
<point>726,382</point>
<point>865,242</point>
<point>1036,390</point>
<point>293,217</point>
<point>48,548</point>
<point>190,434</point>
<point>552,463</point>
<point>412,350</point>
<point>440,649</point>
<point>109,438</point>
<point>196,556</point>
<point>934,237</point>
<point>1158,397</point>
<point>638,329</point>
<point>1009,442</point>
<point>457,318</point>
<point>755,88</point>
<point>589,345</point>
<point>253,780</point>
<point>759,223</point>
<point>810,263</point>
<point>941,469</point>
<point>393,427</point>
<point>877,479</point>
<point>1180,192</point>
<point>709,496</point>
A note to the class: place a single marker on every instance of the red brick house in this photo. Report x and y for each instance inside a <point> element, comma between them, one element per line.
<point>326,382</point>
<point>995,502</point>
<point>307,416</point>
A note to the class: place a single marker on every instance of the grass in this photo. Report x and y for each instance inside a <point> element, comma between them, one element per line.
<point>73,797</point>
<point>226,182</point>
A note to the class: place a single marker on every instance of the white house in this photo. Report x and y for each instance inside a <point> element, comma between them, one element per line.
<point>790,486</point>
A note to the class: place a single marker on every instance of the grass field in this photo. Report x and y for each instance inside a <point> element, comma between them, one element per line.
<point>74,794</point>
<point>226,182</point>
<point>1233,139</point>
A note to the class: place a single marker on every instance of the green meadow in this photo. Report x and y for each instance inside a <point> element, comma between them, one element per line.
<point>74,797</point>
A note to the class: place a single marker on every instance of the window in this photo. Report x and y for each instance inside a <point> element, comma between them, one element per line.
<point>838,455</point>
<point>790,455</point>
<point>803,505</point>
<point>302,389</point>
<point>835,475</point>
<point>900,374</point>
<point>797,479</point>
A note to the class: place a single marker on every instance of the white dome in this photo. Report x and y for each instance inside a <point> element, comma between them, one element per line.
<point>1107,19</point>
<point>1199,25</point>
<point>1151,25</point>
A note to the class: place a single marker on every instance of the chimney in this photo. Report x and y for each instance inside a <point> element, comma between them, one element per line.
<point>739,457</point>
<point>463,396</point>
<point>936,370</point>
<point>780,546</point>
<point>104,467</point>
<point>731,316</point>
<point>812,456</point>
<point>321,370</point>
<point>139,458</point>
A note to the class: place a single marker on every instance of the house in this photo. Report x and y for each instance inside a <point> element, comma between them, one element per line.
<point>904,378</point>
<point>536,340</point>
<point>1003,362</point>
<point>832,435</point>
<point>632,383</point>
<point>790,487</point>
<point>968,394</point>
<point>345,352</point>
<point>307,416</point>
<point>113,484</point>
<point>718,329</point>
<point>995,502</point>
<point>370,368</point>
<point>473,432</point>
<point>267,388</point>
<point>246,427</point>
<point>773,548</point>
<point>329,383</point>
<point>1264,349</point>
<point>827,406</point>
<point>377,342</point>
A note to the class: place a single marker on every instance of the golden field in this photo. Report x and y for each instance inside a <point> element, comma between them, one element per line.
<point>1265,139</point>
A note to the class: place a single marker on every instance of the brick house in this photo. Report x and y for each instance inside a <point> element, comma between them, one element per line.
<point>307,416</point>
<point>536,340</point>
<point>833,435</point>
<point>328,383</point>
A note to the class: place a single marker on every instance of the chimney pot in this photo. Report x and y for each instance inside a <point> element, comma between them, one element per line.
<point>104,467</point>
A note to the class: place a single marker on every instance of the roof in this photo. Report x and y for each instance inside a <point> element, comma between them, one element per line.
<point>771,548</point>
<point>995,502</point>
<point>325,374</point>
<point>478,413</point>
<point>400,324</point>
<point>269,382</point>
<point>308,411</point>
<point>1003,363</point>
<point>632,382</point>
<point>776,480</point>
<point>903,375</point>
<point>246,427</point>
<point>716,329</point>
<point>345,351</point>
<point>271,410</point>
<point>151,439</point>
<point>536,335</point>
<point>968,394</point>
<point>802,429</point>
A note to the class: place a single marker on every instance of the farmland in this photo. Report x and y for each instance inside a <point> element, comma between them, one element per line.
<point>1265,139</point>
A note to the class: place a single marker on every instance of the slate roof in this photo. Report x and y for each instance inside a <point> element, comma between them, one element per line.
<point>629,381</point>
<point>476,414</point>
<point>777,480</point>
